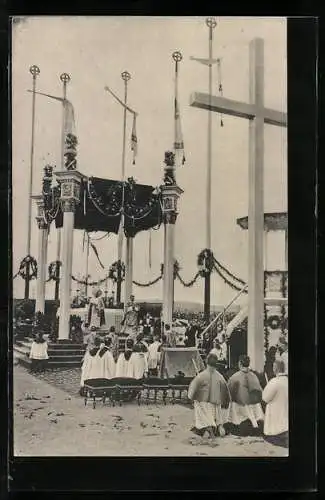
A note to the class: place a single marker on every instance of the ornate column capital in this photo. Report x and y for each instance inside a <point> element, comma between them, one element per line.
<point>69,181</point>
<point>170,195</point>
<point>40,217</point>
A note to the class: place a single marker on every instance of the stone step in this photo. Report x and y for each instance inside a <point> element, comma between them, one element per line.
<point>53,363</point>
<point>62,352</point>
<point>23,361</point>
<point>66,346</point>
<point>66,357</point>
<point>21,350</point>
<point>23,342</point>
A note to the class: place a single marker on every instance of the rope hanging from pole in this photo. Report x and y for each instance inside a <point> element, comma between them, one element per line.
<point>220,86</point>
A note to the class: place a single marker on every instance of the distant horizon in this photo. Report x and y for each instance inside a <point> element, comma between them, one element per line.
<point>94,51</point>
<point>178,303</point>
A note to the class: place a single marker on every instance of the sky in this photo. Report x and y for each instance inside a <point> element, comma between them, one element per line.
<point>94,51</point>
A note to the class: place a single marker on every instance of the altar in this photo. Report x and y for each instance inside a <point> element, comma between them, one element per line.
<point>113,317</point>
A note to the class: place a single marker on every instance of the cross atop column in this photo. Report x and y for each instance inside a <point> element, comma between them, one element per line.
<point>258,115</point>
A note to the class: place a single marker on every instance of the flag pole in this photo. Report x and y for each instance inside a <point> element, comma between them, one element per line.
<point>177,56</point>
<point>211,23</point>
<point>87,264</point>
<point>125,77</point>
<point>65,79</point>
<point>34,71</point>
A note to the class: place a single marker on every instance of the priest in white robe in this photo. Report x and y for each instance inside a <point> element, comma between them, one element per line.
<point>122,365</point>
<point>138,365</point>
<point>275,395</point>
<point>92,365</point>
<point>154,356</point>
<point>96,310</point>
<point>107,363</point>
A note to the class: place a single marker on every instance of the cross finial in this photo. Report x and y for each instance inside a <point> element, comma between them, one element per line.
<point>177,56</point>
<point>34,70</point>
<point>65,78</point>
<point>211,22</point>
<point>126,76</point>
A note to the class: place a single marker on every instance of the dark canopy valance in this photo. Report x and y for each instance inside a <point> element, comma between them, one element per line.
<point>101,202</point>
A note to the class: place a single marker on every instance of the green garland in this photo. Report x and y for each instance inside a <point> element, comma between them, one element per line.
<point>189,283</point>
<point>90,283</point>
<point>149,283</point>
<point>223,268</point>
<point>111,206</point>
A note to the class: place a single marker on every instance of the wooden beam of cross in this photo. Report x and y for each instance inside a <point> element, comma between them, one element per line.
<point>239,109</point>
<point>258,115</point>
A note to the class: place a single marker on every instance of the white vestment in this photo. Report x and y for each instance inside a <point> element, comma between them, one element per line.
<point>122,366</point>
<point>239,413</point>
<point>108,366</point>
<point>91,368</point>
<point>153,354</point>
<point>38,350</point>
<point>275,395</point>
<point>138,365</point>
<point>209,415</point>
<point>95,311</point>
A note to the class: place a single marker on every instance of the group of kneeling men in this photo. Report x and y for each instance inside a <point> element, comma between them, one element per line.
<point>103,360</point>
<point>240,406</point>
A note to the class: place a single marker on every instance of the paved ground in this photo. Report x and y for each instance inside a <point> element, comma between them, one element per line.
<point>50,421</point>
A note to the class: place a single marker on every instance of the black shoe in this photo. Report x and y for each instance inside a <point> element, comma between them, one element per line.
<point>198,432</point>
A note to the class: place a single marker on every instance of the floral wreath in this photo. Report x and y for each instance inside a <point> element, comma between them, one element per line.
<point>30,262</point>
<point>52,270</point>
<point>205,262</point>
<point>113,271</point>
<point>274,322</point>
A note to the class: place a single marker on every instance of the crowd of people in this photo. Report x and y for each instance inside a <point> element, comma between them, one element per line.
<point>239,402</point>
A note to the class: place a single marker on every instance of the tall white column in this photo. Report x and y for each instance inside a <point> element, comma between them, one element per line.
<point>70,196</point>
<point>128,286</point>
<point>286,248</point>
<point>42,255</point>
<point>256,210</point>
<point>170,195</point>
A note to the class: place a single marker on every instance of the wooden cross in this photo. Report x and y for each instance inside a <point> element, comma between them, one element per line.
<point>258,115</point>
